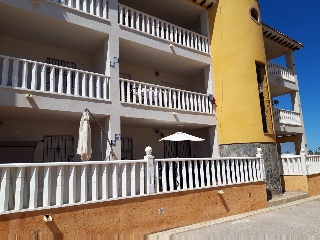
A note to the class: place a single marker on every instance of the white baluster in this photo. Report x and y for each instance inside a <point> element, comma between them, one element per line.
<point>191,102</point>
<point>77,5</point>
<point>207,173</point>
<point>4,189</point>
<point>91,6</point>
<point>104,9</point>
<point>52,79</point>
<point>98,8</point>
<point>72,184</point>
<point>84,85</point>
<point>131,18</point>
<point>171,180</point>
<point>190,172</point>
<point>228,171</point>
<point>174,99</point>
<point>95,186</point>
<point>162,30</point>
<point>251,169</point>
<point>233,171</point>
<point>145,95</point>
<point>114,175</point>
<point>170,98</point>
<point>60,81</point>
<point>83,184</point>
<point>245,167</point>
<point>134,93</point>
<point>183,101</point>
<point>126,17</point>
<point>164,177</point>
<point>165,98</point>
<point>68,81</point>
<point>171,32</point>
<point>133,179</point>
<point>60,185</point>
<point>137,20</point>
<point>157,28</point>
<point>43,86</point>
<point>202,173</point>
<point>19,188</point>
<point>15,70</point>
<point>142,177</point>
<point>213,173</point>
<point>84,5</point>
<point>218,172</point>
<point>184,175</point>
<point>143,23</point>
<point>123,180</point>
<point>105,182</point>
<point>187,39</point>
<point>91,92</point>
<point>160,97</point>
<point>24,75</point>
<point>187,101</point>
<point>5,70</point>
<point>105,88</point>
<point>156,96</point>
<point>76,83</point>
<point>34,77</point>
<point>140,93</point>
<point>47,187</point>
<point>98,87</point>
<point>223,172</point>
<point>196,174</point>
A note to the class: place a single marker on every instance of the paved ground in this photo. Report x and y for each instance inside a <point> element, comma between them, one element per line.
<point>300,220</point>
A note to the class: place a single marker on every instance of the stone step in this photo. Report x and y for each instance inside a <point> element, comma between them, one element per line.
<point>286,198</point>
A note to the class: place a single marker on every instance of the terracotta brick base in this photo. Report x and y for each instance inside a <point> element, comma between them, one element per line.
<point>135,216</point>
<point>309,184</point>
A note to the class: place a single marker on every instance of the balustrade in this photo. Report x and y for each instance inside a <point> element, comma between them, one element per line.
<point>26,74</point>
<point>143,22</point>
<point>98,8</point>
<point>159,96</point>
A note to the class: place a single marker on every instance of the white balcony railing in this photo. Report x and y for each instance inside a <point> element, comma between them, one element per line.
<point>193,173</point>
<point>159,96</point>
<point>26,74</point>
<point>44,185</point>
<point>30,186</point>
<point>286,117</point>
<point>140,21</point>
<point>300,164</point>
<point>98,8</point>
<point>281,72</point>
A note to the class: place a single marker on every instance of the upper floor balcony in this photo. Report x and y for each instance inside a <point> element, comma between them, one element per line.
<point>25,74</point>
<point>287,122</point>
<point>164,97</point>
<point>282,80</point>
<point>159,28</point>
<point>97,8</point>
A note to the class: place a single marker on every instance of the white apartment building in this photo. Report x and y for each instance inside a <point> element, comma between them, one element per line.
<point>141,67</point>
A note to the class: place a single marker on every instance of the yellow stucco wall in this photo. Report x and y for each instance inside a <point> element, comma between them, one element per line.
<point>236,44</point>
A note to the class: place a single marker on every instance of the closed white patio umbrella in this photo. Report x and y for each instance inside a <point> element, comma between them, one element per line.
<point>84,143</point>
<point>180,136</point>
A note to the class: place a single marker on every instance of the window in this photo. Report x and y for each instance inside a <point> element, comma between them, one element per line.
<point>254,13</point>
<point>265,103</point>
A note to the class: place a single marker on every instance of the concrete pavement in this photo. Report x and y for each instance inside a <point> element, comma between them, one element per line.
<point>298,218</point>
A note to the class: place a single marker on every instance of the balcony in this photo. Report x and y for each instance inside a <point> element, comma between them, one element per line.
<point>156,27</point>
<point>280,72</point>
<point>286,117</point>
<point>97,8</point>
<point>43,77</point>
<point>159,96</point>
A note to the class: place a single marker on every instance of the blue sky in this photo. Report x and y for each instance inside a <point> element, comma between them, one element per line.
<point>301,21</point>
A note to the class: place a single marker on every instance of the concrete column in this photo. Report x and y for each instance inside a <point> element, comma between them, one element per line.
<point>214,141</point>
<point>204,23</point>
<point>208,79</point>
<point>295,101</point>
<point>113,12</point>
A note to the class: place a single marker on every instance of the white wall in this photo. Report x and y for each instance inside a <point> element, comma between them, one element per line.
<point>37,52</point>
<point>35,131</point>
<point>164,79</point>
